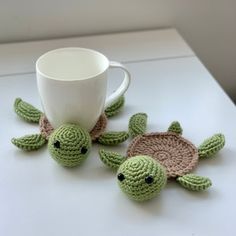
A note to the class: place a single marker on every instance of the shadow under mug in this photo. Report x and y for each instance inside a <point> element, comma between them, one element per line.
<point>72,84</point>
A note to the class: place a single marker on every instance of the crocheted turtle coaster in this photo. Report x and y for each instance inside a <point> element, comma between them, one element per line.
<point>153,158</point>
<point>69,144</point>
<point>46,128</point>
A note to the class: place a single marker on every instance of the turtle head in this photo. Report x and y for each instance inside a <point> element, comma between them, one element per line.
<point>141,177</point>
<point>69,145</point>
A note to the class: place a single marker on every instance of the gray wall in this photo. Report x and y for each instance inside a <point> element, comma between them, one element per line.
<point>207,25</point>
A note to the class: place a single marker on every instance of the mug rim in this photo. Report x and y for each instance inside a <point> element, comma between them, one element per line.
<point>74,48</point>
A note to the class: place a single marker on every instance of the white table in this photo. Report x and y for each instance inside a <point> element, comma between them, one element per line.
<point>40,198</point>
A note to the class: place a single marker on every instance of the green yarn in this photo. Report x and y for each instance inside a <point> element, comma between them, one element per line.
<point>115,107</point>
<point>113,138</point>
<point>29,142</point>
<point>26,111</point>
<point>194,182</point>
<point>211,145</point>
<point>111,159</point>
<point>154,157</point>
<point>69,145</point>
<point>137,124</point>
<point>141,178</point>
<point>175,127</point>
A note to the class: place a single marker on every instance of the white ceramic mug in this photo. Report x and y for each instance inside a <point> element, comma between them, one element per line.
<point>72,84</point>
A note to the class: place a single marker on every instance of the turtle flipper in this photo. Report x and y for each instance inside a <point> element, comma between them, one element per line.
<point>111,159</point>
<point>113,138</point>
<point>194,182</point>
<point>211,145</point>
<point>29,142</point>
<point>115,107</point>
<point>26,111</point>
<point>138,124</point>
<point>175,127</point>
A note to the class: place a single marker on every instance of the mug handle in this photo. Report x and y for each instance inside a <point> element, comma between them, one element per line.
<point>124,85</point>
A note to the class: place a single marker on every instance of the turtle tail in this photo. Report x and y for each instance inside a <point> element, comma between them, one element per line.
<point>26,111</point>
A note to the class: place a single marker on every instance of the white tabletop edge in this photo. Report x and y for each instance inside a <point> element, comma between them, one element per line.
<point>18,58</point>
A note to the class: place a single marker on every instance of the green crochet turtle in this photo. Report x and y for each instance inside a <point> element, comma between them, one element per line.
<point>155,157</point>
<point>69,144</point>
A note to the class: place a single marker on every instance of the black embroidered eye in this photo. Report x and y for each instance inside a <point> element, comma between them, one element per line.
<point>56,144</point>
<point>149,179</point>
<point>120,177</point>
<point>84,150</point>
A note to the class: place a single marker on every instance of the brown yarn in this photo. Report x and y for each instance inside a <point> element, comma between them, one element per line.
<point>46,129</point>
<point>99,128</point>
<point>176,154</point>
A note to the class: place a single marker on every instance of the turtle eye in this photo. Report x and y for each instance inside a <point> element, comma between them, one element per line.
<point>120,177</point>
<point>149,179</point>
<point>56,144</point>
<point>83,150</point>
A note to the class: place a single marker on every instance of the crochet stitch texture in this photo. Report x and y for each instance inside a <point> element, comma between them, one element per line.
<point>168,153</point>
<point>137,124</point>
<point>29,142</point>
<point>22,109</point>
<point>176,154</point>
<point>116,107</point>
<point>143,178</point>
<point>46,129</point>
<point>212,145</point>
<point>194,182</point>
<point>69,144</point>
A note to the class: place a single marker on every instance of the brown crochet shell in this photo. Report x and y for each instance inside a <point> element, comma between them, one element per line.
<point>99,128</point>
<point>176,154</point>
<point>46,129</point>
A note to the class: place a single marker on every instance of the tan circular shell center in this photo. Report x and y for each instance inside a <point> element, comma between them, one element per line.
<point>46,129</point>
<point>175,153</point>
